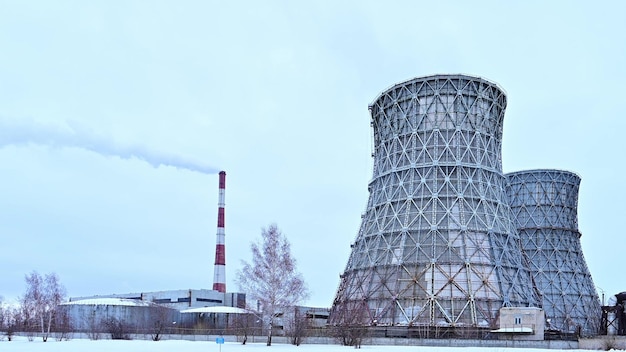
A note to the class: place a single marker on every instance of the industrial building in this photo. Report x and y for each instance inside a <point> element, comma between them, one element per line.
<point>188,307</point>
<point>521,323</point>
<point>138,313</point>
<point>180,299</point>
<point>439,248</point>
<point>613,320</point>
<point>186,310</point>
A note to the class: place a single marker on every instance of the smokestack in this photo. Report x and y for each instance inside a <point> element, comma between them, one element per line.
<point>219,275</point>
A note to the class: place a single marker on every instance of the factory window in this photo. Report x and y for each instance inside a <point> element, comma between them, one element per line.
<point>518,320</point>
<point>208,300</point>
<point>162,300</point>
<point>318,315</point>
<point>184,299</point>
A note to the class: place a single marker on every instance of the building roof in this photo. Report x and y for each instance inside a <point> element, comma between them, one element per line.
<point>217,309</point>
<point>110,302</point>
<point>515,330</point>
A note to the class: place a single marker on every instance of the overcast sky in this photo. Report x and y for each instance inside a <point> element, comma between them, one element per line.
<point>96,95</point>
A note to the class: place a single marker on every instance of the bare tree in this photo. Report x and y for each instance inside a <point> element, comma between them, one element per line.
<point>353,324</point>
<point>10,317</point>
<point>7,320</point>
<point>272,278</point>
<point>94,326</point>
<point>41,299</point>
<point>118,329</point>
<point>161,323</point>
<point>2,319</point>
<point>30,305</point>
<point>63,325</point>
<point>297,325</point>
<point>245,324</point>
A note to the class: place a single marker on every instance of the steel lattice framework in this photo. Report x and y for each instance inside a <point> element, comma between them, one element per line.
<point>544,204</point>
<point>436,246</point>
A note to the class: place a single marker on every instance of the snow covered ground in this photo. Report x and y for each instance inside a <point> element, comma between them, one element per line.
<point>78,345</point>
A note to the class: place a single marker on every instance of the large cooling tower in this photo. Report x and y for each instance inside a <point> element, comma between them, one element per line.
<point>544,205</point>
<point>436,246</point>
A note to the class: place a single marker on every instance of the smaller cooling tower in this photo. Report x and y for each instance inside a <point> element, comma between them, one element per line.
<point>544,206</point>
<point>219,274</point>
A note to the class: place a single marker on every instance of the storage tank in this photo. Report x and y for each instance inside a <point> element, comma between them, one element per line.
<point>136,316</point>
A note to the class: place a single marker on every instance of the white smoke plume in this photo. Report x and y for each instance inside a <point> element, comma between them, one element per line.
<point>26,132</point>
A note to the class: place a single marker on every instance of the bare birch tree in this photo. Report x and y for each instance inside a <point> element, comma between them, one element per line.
<point>8,320</point>
<point>41,299</point>
<point>296,325</point>
<point>3,319</point>
<point>272,278</point>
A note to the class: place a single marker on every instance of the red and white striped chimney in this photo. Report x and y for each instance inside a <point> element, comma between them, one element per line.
<point>219,275</point>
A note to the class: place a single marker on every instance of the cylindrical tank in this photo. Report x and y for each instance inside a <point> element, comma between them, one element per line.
<point>94,315</point>
<point>436,245</point>
<point>544,204</point>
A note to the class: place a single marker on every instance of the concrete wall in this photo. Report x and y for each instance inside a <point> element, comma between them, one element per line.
<point>596,343</point>
<point>555,345</point>
<point>559,345</point>
<point>604,343</point>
